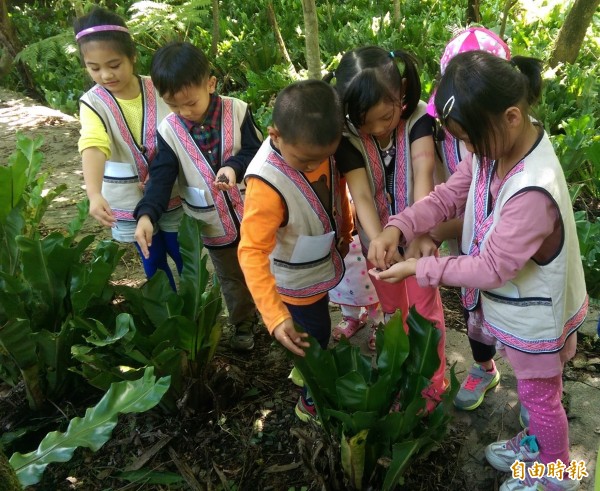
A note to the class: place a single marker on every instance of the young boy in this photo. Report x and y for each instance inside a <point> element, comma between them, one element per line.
<point>207,141</point>
<point>297,222</point>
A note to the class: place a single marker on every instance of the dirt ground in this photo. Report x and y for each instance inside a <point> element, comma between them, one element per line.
<point>247,442</point>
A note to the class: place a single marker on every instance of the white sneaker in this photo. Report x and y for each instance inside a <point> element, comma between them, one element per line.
<point>539,484</point>
<point>501,455</point>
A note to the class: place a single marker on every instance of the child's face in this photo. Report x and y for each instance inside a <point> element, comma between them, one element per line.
<point>192,102</point>
<point>381,120</point>
<point>300,156</point>
<point>110,69</point>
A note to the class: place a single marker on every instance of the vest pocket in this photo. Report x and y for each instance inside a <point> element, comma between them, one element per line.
<point>121,188</point>
<point>310,248</point>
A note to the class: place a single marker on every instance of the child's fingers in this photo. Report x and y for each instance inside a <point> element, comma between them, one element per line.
<point>144,240</point>
<point>294,344</point>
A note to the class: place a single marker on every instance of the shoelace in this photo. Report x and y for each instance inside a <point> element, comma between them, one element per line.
<point>472,382</point>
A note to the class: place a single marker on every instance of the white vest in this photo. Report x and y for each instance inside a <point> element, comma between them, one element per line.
<point>220,211</point>
<point>403,175</point>
<point>129,162</point>
<point>321,267</point>
<point>545,303</point>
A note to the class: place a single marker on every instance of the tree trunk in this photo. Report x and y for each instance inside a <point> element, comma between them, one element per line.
<point>280,42</point>
<point>571,35</point>
<point>311,31</point>
<point>215,29</point>
<point>473,13</point>
<point>508,5</point>
<point>397,12</point>
<point>11,46</point>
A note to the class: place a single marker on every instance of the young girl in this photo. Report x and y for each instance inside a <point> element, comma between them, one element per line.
<point>483,374</point>
<point>355,294</point>
<point>523,271</point>
<point>380,92</point>
<point>119,118</point>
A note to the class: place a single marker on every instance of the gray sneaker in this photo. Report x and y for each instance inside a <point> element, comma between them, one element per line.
<point>242,338</point>
<point>473,389</point>
<point>501,455</point>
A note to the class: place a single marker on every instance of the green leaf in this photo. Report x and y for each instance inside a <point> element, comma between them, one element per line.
<point>395,350</point>
<point>94,429</point>
<point>194,276</point>
<point>143,476</point>
<point>349,357</point>
<point>401,455</point>
<point>353,457</point>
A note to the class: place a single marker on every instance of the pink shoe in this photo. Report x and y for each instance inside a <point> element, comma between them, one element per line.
<point>349,326</point>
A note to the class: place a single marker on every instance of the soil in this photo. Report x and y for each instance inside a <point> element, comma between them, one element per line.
<point>250,438</point>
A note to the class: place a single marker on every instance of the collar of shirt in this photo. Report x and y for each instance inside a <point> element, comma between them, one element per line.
<point>213,115</point>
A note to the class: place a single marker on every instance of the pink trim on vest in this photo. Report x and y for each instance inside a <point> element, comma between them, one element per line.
<point>451,150</point>
<point>401,160</point>
<point>149,125</point>
<point>123,215</point>
<point>483,217</point>
<point>208,175</point>
<point>543,345</point>
<point>298,179</point>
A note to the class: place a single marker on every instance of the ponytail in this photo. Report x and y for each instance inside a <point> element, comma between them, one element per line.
<point>531,68</point>
<point>409,71</point>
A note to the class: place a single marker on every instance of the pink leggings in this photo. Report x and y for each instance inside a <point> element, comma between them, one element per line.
<point>547,417</point>
<point>428,303</point>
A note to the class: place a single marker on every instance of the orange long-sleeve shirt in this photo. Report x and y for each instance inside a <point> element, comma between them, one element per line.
<point>264,212</point>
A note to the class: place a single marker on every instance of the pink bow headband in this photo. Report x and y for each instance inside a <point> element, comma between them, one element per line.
<point>95,29</point>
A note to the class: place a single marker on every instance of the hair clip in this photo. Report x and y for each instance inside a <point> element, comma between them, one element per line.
<point>392,55</point>
<point>447,109</point>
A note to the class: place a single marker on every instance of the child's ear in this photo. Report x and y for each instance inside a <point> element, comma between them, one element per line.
<point>212,84</point>
<point>273,134</point>
<point>513,116</point>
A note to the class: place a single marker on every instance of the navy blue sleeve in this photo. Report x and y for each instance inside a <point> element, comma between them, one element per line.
<point>348,157</point>
<point>163,170</point>
<point>251,141</point>
<point>424,126</point>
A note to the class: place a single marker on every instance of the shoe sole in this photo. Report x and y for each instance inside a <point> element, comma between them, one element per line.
<point>478,402</point>
<point>496,462</point>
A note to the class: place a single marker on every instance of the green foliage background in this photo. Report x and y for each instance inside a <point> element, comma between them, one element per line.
<point>249,64</point>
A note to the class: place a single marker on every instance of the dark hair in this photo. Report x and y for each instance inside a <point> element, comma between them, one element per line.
<point>122,42</point>
<point>178,65</point>
<point>478,87</point>
<point>368,75</point>
<point>308,112</point>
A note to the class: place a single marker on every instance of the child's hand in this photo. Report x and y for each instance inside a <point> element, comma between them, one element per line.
<point>291,339</point>
<point>101,211</point>
<point>225,179</point>
<point>420,247</point>
<point>397,272</point>
<point>384,248</point>
<point>143,234</point>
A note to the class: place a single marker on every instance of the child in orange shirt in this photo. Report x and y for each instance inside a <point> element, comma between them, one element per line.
<point>297,222</point>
